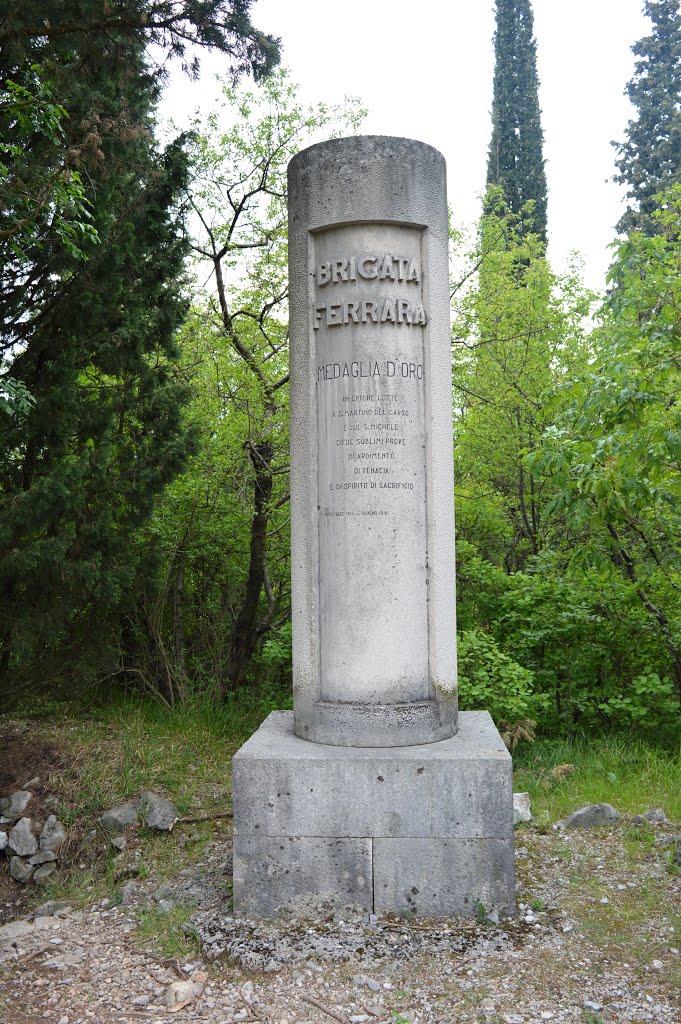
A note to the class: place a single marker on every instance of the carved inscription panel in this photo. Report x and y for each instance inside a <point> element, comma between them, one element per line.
<point>369,321</point>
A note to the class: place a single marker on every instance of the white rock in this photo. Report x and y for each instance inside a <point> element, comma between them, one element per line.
<point>181,990</point>
<point>521,808</point>
<point>3,840</point>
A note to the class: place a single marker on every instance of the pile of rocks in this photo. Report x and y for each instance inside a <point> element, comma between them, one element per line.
<point>156,812</point>
<point>32,850</point>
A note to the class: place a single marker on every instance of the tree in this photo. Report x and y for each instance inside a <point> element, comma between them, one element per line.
<point>515,160</point>
<point>517,333</point>
<point>222,528</point>
<point>88,325</point>
<point>615,452</point>
<point>649,160</point>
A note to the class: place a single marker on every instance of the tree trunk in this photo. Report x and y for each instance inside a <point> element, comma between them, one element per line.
<point>247,629</point>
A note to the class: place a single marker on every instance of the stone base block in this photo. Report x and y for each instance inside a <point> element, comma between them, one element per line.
<point>425,828</point>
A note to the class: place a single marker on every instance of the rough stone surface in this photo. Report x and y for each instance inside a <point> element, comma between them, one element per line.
<point>157,811</point>
<point>591,816</point>
<point>181,990</point>
<point>52,835</point>
<point>20,869</point>
<point>300,876</point>
<point>51,908</point>
<point>521,808</point>
<point>118,818</point>
<point>3,840</point>
<point>21,840</point>
<point>374,664</point>
<point>443,877</point>
<point>316,824</point>
<point>43,857</point>
<point>13,806</point>
<point>458,788</point>
<point>44,871</point>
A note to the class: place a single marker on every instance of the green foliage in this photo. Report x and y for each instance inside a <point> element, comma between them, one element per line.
<point>515,160</point>
<point>36,199</point>
<point>88,322</point>
<point>491,680</point>
<point>517,334</point>
<point>625,770</point>
<point>649,160</point>
<point>220,582</point>
<point>613,453</point>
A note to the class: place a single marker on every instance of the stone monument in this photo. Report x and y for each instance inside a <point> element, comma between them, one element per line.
<point>372,792</point>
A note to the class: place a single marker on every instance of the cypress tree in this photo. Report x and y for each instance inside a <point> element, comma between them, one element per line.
<point>90,331</point>
<point>515,160</point>
<point>649,160</point>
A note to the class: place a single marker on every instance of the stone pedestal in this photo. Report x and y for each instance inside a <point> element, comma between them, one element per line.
<point>424,828</point>
<point>366,794</point>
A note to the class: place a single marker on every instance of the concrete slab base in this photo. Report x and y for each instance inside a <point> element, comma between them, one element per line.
<point>426,829</point>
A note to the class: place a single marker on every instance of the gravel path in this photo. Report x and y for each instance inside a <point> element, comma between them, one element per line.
<point>601,945</point>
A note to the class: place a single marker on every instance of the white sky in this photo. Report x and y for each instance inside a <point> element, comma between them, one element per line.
<point>424,70</point>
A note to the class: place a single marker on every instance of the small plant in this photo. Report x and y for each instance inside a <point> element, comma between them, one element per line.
<point>168,932</point>
<point>481,913</point>
<point>537,903</point>
<point>398,1018</point>
<point>592,1017</point>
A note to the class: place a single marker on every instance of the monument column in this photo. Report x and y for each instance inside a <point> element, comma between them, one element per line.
<point>372,494</point>
<point>372,793</point>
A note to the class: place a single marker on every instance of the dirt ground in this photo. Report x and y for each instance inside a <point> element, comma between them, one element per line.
<point>597,938</point>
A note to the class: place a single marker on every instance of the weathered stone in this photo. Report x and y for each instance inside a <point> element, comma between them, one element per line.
<point>32,783</point>
<point>12,807</point>
<point>15,933</point>
<point>52,835</point>
<point>677,855</point>
<point>52,908</point>
<point>20,869</point>
<point>656,815</point>
<point>3,840</point>
<point>43,857</point>
<point>129,890</point>
<point>300,809</point>
<point>21,840</point>
<point>385,782</point>
<point>521,808</point>
<point>591,816</point>
<point>458,788</point>
<point>157,811</point>
<point>300,876</point>
<point>119,843</point>
<point>118,818</point>
<point>179,991</point>
<point>443,877</point>
<point>44,871</point>
<point>371,443</point>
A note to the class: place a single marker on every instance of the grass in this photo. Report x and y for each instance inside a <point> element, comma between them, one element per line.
<point>168,933</point>
<point>632,774</point>
<point>113,752</point>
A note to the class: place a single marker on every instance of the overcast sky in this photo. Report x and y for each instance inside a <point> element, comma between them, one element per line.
<point>424,70</point>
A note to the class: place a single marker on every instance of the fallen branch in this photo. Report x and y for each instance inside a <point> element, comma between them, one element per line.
<point>324,1008</point>
<point>204,817</point>
<point>251,1009</point>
